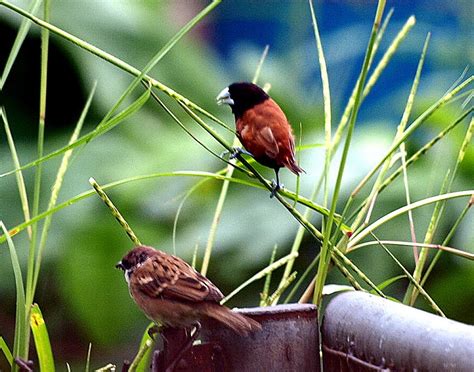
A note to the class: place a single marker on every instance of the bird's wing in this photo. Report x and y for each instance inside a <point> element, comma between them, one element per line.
<point>267,139</point>
<point>168,276</point>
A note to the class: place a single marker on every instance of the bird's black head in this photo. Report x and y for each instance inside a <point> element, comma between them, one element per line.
<point>241,97</point>
<point>135,257</point>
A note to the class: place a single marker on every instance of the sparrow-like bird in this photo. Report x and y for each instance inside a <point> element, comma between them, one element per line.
<point>172,293</point>
<point>262,127</point>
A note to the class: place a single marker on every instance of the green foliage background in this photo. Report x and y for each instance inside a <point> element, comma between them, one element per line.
<point>81,295</point>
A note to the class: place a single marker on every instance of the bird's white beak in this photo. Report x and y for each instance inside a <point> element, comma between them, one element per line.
<point>224,97</point>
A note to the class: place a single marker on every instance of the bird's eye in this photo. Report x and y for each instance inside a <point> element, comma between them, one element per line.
<point>142,257</point>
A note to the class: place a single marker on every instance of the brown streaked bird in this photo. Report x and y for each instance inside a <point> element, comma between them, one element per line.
<point>262,128</point>
<point>169,291</point>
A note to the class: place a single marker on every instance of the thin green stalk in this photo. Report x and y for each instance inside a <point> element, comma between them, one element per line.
<point>20,38</point>
<point>141,353</point>
<point>19,176</point>
<point>261,274</point>
<point>55,193</point>
<point>338,255</point>
<point>273,299</point>
<point>180,207</point>
<point>347,274</point>
<point>410,294</point>
<point>123,65</point>
<point>423,150</point>
<point>326,101</point>
<point>20,343</point>
<point>388,55</point>
<point>88,358</point>
<point>411,222</point>
<point>327,130</point>
<point>413,126</point>
<point>345,117</point>
<point>437,213</point>
<point>433,304</point>
<point>225,187</point>
<point>17,229</point>
<point>39,167</point>
<point>268,279</point>
<point>355,239</point>
<point>6,351</point>
<point>440,247</point>
<point>445,242</point>
<point>370,201</point>
<point>115,212</point>
<point>325,249</point>
<point>300,281</point>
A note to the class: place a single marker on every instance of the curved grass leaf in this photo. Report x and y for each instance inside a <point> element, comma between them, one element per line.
<point>130,110</point>
<point>6,351</point>
<point>20,347</point>
<point>41,337</point>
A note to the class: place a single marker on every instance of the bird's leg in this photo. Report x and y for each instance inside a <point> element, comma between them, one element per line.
<point>276,185</point>
<point>186,346</point>
<point>153,330</point>
<point>236,151</point>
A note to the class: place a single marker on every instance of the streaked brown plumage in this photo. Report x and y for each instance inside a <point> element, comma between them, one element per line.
<point>171,292</point>
<point>262,127</point>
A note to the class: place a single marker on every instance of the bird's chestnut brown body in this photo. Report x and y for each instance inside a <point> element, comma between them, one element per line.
<point>169,291</point>
<point>262,127</point>
<point>265,132</point>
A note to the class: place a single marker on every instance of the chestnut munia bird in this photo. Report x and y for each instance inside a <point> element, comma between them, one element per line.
<point>262,127</point>
<point>172,293</point>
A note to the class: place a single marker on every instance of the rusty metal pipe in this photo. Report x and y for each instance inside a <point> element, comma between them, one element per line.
<point>362,332</point>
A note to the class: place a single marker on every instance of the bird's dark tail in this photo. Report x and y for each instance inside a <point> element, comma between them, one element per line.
<point>239,323</point>
<point>292,166</point>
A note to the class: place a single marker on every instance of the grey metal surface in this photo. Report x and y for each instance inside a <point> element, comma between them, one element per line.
<point>288,340</point>
<point>362,332</point>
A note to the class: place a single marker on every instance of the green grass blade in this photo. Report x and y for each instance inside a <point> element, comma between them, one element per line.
<point>261,274</point>
<point>390,216</point>
<point>88,359</point>
<point>414,125</point>
<point>433,304</point>
<point>225,187</point>
<point>437,213</point>
<point>115,212</point>
<point>447,239</point>
<point>117,119</point>
<point>20,38</point>
<point>180,207</point>
<point>388,282</point>
<point>54,197</point>
<point>374,76</point>
<point>123,65</point>
<point>20,348</point>
<point>19,176</point>
<point>143,364</point>
<point>424,149</point>
<point>326,247</point>
<point>6,351</point>
<point>327,129</point>
<point>302,278</point>
<point>440,247</point>
<point>268,280</point>
<point>41,337</point>
<point>365,211</point>
<point>17,229</point>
